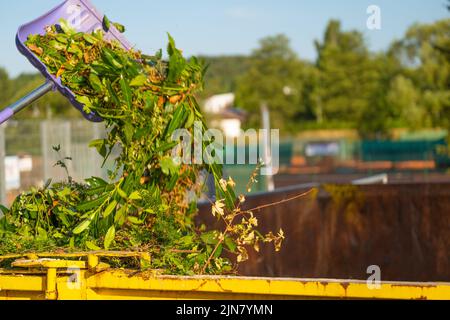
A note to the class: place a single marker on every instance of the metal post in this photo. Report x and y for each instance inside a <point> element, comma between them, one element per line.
<point>21,104</point>
<point>267,156</point>
<point>2,167</point>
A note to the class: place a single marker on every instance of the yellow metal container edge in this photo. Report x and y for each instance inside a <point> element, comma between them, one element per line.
<point>36,277</point>
<point>123,284</point>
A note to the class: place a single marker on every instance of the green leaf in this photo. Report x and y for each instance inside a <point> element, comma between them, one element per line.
<point>111,207</point>
<point>173,181</point>
<point>94,204</point>
<point>167,146</point>
<point>72,243</point>
<point>177,62</point>
<point>177,121</point>
<point>90,39</point>
<point>62,38</point>
<point>135,196</point>
<point>4,210</point>
<point>109,56</point>
<point>112,93</point>
<point>66,27</point>
<point>126,92</point>
<point>95,82</point>
<point>139,81</point>
<point>86,102</point>
<point>84,225</point>
<point>91,246</point>
<point>218,252</point>
<point>168,166</point>
<point>109,238</point>
<point>186,241</point>
<point>76,51</point>
<point>100,190</point>
<point>64,193</point>
<point>191,119</point>
<point>42,234</point>
<point>57,45</point>
<point>210,238</point>
<point>119,27</point>
<point>128,130</point>
<point>231,244</point>
<point>135,220</point>
<point>96,182</point>
<point>100,145</point>
<point>63,219</point>
<point>106,23</point>
<point>122,194</point>
<point>121,216</point>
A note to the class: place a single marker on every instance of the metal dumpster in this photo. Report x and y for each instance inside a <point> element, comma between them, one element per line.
<point>82,276</point>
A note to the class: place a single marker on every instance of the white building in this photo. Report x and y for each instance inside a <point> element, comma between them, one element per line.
<point>219,103</point>
<point>223,114</point>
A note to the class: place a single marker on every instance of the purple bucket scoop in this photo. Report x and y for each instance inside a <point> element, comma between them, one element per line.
<point>82,16</point>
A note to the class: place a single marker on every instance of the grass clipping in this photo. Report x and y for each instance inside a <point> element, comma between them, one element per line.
<point>144,207</point>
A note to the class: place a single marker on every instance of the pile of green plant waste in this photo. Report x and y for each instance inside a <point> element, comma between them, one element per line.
<point>145,205</point>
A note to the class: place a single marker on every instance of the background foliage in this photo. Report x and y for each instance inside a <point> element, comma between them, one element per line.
<point>347,86</point>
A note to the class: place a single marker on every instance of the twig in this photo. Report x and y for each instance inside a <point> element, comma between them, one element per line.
<point>281,202</point>
<point>237,214</point>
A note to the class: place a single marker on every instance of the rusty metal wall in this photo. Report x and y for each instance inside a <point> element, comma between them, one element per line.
<point>404,229</point>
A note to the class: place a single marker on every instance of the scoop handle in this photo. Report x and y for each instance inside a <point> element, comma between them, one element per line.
<point>6,114</point>
<point>24,102</point>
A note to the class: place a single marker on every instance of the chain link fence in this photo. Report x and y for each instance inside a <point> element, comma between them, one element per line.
<point>30,159</point>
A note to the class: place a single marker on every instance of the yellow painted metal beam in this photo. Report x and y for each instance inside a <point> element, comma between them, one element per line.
<point>240,288</point>
<point>49,263</point>
<point>81,280</point>
<point>22,283</point>
<point>110,254</point>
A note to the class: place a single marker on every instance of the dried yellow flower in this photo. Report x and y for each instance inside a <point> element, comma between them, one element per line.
<point>231,182</point>
<point>223,184</point>
<point>217,208</point>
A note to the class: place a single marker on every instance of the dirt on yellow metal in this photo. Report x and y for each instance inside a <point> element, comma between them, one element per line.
<point>84,277</point>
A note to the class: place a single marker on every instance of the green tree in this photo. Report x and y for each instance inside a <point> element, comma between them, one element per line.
<point>5,87</point>
<point>380,115</point>
<point>425,54</point>
<point>275,78</point>
<point>222,73</point>
<point>348,77</point>
<point>404,97</point>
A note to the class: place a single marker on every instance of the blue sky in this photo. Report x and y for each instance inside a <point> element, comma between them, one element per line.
<point>228,26</point>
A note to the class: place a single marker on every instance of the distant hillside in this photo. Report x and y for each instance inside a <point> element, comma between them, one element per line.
<point>223,72</point>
